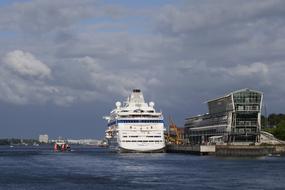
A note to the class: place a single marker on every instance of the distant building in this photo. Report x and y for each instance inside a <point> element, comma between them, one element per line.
<point>232,118</point>
<point>43,138</point>
<point>84,141</point>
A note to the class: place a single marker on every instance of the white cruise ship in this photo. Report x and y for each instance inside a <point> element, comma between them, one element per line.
<point>135,126</point>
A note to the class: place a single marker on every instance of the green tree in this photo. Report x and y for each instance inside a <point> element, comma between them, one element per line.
<point>279,131</point>
<point>277,120</point>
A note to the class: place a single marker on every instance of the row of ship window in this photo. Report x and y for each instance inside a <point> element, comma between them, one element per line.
<point>140,141</point>
<point>135,121</point>
<point>138,111</point>
<point>140,121</point>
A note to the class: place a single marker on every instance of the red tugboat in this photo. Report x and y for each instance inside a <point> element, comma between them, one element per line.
<point>61,146</point>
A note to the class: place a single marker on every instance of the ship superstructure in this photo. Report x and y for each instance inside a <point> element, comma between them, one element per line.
<point>135,126</point>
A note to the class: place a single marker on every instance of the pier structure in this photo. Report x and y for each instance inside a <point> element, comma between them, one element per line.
<point>192,149</point>
<point>232,119</point>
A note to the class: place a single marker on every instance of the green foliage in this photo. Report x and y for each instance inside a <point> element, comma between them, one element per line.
<point>263,121</point>
<point>4,142</point>
<point>277,120</point>
<point>279,131</point>
<point>272,120</point>
<point>17,141</point>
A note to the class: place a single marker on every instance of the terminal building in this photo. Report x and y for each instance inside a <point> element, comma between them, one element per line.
<point>233,118</point>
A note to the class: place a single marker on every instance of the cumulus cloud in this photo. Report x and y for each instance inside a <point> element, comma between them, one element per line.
<point>39,17</point>
<point>17,90</point>
<point>25,64</point>
<point>83,51</point>
<point>116,81</point>
<point>25,79</point>
<point>249,70</point>
<point>245,70</point>
<point>208,15</point>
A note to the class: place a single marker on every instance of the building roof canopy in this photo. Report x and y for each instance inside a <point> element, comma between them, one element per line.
<point>237,91</point>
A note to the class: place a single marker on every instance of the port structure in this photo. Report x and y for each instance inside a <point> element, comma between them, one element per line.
<point>175,134</point>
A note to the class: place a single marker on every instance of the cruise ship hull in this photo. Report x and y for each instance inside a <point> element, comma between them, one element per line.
<point>136,147</point>
<point>122,150</point>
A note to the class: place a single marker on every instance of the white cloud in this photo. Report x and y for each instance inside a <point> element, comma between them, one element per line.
<point>209,15</point>
<point>25,64</point>
<point>249,70</point>
<point>90,63</point>
<point>233,45</point>
<point>18,90</point>
<point>116,81</point>
<point>39,17</point>
<point>27,80</point>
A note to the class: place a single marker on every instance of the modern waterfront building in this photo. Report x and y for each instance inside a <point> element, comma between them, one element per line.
<point>43,138</point>
<point>233,118</point>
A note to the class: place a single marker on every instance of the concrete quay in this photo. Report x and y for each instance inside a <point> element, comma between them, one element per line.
<point>228,150</point>
<point>243,150</point>
<point>193,149</point>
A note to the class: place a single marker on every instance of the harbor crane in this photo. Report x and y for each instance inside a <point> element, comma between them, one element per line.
<point>175,134</point>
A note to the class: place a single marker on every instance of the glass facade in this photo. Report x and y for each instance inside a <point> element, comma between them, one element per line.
<point>246,122</point>
<point>220,105</point>
<point>234,117</point>
<point>247,101</point>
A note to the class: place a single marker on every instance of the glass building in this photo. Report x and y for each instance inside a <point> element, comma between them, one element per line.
<point>235,117</point>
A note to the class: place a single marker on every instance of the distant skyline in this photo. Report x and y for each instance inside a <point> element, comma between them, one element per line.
<point>64,64</point>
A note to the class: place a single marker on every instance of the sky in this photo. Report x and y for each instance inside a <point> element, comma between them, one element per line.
<point>64,64</point>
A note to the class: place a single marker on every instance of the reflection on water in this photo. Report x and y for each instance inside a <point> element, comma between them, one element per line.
<point>97,168</point>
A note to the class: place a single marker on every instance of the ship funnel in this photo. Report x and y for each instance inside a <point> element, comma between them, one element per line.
<point>136,90</point>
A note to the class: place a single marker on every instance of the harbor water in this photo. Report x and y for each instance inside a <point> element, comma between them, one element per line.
<point>89,167</point>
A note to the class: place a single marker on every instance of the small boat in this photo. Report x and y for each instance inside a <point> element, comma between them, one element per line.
<point>36,144</point>
<point>61,146</point>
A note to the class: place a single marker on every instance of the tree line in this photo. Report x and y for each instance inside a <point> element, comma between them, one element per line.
<point>15,141</point>
<point>274,124</point>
